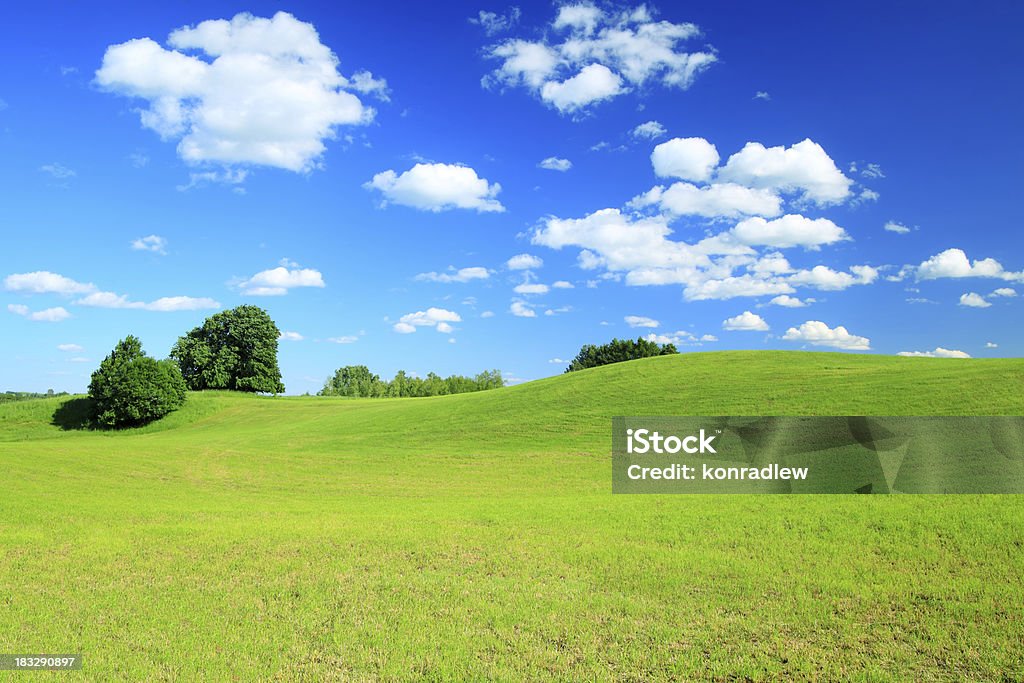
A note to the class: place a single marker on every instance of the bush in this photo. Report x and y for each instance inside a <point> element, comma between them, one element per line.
<point>131,389</point>
<point>616,351</point>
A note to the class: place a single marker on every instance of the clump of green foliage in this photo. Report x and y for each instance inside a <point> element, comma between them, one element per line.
<point>11,396</point>
<point>358,381</point>
<point>616,351</point>
<point>131,389</point>
<point>234,349</point>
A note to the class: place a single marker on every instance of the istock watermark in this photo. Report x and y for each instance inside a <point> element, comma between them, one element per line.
<point>851,454</point>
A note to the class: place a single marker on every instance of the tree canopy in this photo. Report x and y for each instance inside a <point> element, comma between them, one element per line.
<point>616,351</point>
<point>130,388</point>
<point>234,349</point>
<point>358,381</point>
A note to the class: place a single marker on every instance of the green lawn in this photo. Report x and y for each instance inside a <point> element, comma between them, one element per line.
<point>476,537</point>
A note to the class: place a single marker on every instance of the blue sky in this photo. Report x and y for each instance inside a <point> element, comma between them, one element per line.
<point>721,176</point>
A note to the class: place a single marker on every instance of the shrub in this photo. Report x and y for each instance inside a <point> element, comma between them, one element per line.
<point>131,389</point>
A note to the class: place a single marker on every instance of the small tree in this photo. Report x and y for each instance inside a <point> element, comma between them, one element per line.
<point>130,388</point>
<point>234,349</point>
<point>353,380</point>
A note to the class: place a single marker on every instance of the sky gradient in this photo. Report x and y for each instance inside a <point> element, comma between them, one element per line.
<point>463,186</point>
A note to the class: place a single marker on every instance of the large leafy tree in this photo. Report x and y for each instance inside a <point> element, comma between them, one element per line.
<point>130,388</point>
<point>616,351</point>
<point>234,349</point>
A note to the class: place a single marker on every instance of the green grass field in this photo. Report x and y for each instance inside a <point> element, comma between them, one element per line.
<point>475,537</point>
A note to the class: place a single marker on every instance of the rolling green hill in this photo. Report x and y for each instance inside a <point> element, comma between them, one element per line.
<point>475,537</point>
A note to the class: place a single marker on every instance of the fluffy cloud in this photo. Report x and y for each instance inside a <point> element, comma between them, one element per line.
<point>277,281</point>
<point>746,321</point>
<point>153,243</point>
<point>719,200</point>
<point>167,304</point>
<point>438,187</point>
<point>591,55</point>
<point>555,164</point>
<point>71,348</point>
<point>524,262</point>
<point>953,263</point>
<point>562,284</point>
<point>460,275</point>
<point>246,91</point>
<point>49,315</point>
<point>685,158</point>
<point>818,333</point>
<point>521,309</point>
<point>804,168</point>
<point>1004,291</point>
<point>648,131</point>
<point>973,300</point>
<point>937,353</point>
<point>789,301</point>
<point>791,230</point>
<point>898,228</point>
<point>291,336</point>
<point>823,277</point>
<point>640,247</point>
<point>593,83</point>
<point>45,282</point>
<point>438,318</point>
<point>640,321</point>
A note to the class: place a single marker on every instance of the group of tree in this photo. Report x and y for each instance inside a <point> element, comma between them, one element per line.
<point>11,396</point>
<point>358,381</point>
<point>617,351</point>
<point>234,350</point>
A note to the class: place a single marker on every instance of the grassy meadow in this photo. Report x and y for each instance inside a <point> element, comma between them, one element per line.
<point>475,537</point>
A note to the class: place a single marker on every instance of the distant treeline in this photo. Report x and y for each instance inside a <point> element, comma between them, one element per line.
<point>358,381</point>
<point>9,396</point>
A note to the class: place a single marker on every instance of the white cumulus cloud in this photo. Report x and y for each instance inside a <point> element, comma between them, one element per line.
<point>524,262</point>
<point>788,301</point>
<point>49,315</point>
<point>973,300</point>
<point>953,263</point>
<point>438,187</point>
<point>898,228</point>
<point>291,336</point>
<point>718,200</point>
<point>248,90</point>
<point>438,318</point>
<point>791,230</point>
<point>589,54</point>
<point>45,282</point>
<point>818,333</point>
<point>555,164</point>
<point>685,158</point>
<point>937,353</point>
<point>277,281</point>
<point>521,309</point>
<point>804,168</point>
<point>745,321</point>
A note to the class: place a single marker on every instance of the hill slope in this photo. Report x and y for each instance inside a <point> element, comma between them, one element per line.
<point>572,411</point>
<point>475,537</point>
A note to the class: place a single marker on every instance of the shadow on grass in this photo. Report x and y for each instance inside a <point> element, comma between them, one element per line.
<point>75,413</point>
